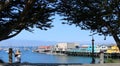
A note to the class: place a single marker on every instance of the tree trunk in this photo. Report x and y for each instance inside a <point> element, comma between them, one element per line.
<point>114,34</point>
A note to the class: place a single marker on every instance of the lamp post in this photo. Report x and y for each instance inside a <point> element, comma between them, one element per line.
<point>93,59</point>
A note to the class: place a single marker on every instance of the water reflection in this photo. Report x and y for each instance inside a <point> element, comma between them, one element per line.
<point>33,57</point>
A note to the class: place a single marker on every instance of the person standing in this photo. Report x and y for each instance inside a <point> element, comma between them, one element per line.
<point>18,56</point>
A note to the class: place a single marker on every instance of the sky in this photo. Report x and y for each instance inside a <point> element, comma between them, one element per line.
<point>62,33</point>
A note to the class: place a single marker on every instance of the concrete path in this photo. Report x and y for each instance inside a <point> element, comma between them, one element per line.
<point>106,64</point>
<point>31,64</point>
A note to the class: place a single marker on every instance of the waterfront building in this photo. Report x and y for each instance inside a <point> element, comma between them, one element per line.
<point>88,48</point>
<point>44,48</point>
<point>113,49</point>
<point>96,49</point>
<point>64,46</point>
<point>103,48</point>
<point>85,48</point>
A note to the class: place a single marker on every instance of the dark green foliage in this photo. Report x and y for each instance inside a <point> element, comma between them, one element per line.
<point>94,15</point>
<point>109,60</point>
<point>16,15</point>
<point>99,16</point>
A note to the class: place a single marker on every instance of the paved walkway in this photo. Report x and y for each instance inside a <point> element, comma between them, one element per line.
<point>31,64</point>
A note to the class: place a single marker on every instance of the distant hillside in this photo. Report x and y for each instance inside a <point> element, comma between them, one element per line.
<point>13,42</point>
<point>25,43</point>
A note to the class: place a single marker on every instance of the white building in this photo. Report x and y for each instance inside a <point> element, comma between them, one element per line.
<point>103,48</point>
<point>64,46</point>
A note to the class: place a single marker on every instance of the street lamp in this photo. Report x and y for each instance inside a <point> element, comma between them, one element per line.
<point>93,59</point>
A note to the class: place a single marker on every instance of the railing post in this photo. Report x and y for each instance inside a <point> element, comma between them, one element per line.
<point>10,55</point>
<point>101,57</point>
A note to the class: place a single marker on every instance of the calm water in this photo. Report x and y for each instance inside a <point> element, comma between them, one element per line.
<point>33,57</point>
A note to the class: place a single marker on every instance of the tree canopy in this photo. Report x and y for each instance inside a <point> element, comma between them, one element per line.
<point>17,15</point>
<point>99,16</point>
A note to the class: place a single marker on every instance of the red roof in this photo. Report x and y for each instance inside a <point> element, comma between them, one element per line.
<point>44,47</point>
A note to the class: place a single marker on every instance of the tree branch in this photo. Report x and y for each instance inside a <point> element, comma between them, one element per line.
<point>26,9</point>
<point>7,2</point>
<point>11,35</point>
<point>114,34</point>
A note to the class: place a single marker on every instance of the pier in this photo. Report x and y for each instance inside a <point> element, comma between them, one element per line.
<point>89,54</point>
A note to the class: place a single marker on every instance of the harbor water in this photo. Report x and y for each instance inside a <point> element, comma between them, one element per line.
<point>28,56</point>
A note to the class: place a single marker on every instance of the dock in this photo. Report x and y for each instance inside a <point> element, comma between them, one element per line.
<point>89,54</point>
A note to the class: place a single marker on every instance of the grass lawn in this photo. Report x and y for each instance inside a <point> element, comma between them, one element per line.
<point>109,60</point>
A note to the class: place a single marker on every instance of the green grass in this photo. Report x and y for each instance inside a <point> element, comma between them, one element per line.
<point>109,60</point>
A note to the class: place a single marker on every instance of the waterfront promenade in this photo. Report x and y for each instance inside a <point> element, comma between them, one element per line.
<point>33,64</point>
